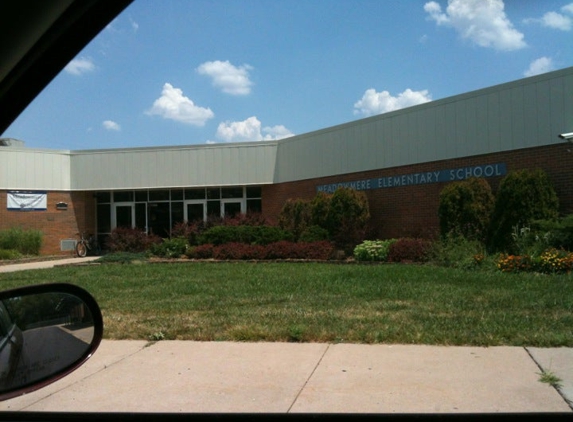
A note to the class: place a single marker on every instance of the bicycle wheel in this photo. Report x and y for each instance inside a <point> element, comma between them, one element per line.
<point>81,249</point>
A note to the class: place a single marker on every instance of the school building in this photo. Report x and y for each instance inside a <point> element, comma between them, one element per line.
<point>401,160</point>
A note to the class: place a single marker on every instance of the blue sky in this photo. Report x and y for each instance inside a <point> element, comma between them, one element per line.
<point>177,72</point>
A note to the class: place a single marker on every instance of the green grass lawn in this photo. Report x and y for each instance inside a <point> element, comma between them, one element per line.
<point>313,302</point>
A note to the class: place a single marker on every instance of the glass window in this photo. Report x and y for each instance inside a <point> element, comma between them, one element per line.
<point>141,216</point>
<point>177,195</point>
<point>140,196</point>
<point>254,192</point>
<point>123,196</point>
<point>195,211</point>
<point>176,213</point>
<point>232,192</point>
<point>159,195</point>
<point>103,197</point>
<point>214,193</point>
<point>195,193</point>
<point>159,219</point>
<point>213,209</point>
<point>104,218</point>
<point>254,206</point>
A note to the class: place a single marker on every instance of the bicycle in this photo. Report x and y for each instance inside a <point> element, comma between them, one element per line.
<point>87,244</point>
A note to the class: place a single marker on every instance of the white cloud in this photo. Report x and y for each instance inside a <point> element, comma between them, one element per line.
<point>249,130</point>
<point>541,65</point>
<point>373,102</point>
<point>111,125</point>
<point>230,79</point>
<point>276,132</point>
<point>483,22</point>
<point>80,65</point>
<point>174,105</point>
<point>556,20</point>
<point>134,25</point>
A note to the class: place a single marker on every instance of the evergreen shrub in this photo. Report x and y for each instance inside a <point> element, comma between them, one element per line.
<point>523,196</point>
<point>465,209</point>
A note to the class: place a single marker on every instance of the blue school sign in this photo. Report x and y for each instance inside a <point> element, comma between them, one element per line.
<point>449,175</point>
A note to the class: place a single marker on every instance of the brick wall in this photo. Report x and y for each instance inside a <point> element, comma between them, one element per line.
<point>413,210</point>
<point>56,225</point>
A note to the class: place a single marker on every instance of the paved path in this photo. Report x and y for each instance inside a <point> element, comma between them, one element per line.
<point>186,376</point>
<point>45,264</point>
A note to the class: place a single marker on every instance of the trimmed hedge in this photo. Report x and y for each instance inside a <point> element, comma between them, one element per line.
<point>257,235</point>
<point>278,250</point>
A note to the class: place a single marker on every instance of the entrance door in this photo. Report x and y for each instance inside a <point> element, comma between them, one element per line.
<point>124,215</point>
<point>195,211</point>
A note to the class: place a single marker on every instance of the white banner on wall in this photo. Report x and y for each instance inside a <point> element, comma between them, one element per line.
<point>27,201</point>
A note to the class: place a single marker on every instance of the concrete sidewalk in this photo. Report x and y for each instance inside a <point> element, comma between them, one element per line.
<point>186,376</point>
<point>45,264</point>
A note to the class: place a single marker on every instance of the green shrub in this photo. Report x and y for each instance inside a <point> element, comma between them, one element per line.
<point>170,248</point>
<point>465,208</point>
<point>7,254</point>
<point>295,216</point>
<point>557,233</point>
<point>259,235</point>
<point>373,250</point>
<point>313,234</point>
<point>348,217</point>
<point>457,252</point>
<point>319,210</point>
<point>344,216</point>
<point>26,242</point>
<point>523,197</point>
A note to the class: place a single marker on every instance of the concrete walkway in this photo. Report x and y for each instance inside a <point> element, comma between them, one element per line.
<point>45,264</point>
<point>187,376</point>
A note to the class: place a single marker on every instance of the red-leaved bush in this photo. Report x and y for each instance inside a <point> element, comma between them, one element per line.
<point>322,250</point>
<point>126,239</point>
<point>409,250</point>
<point>279,250</point>
<point>202,252</point>
<point>236,250</point>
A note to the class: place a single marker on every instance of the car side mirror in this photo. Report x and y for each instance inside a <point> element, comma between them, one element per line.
<point>46,332</point>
